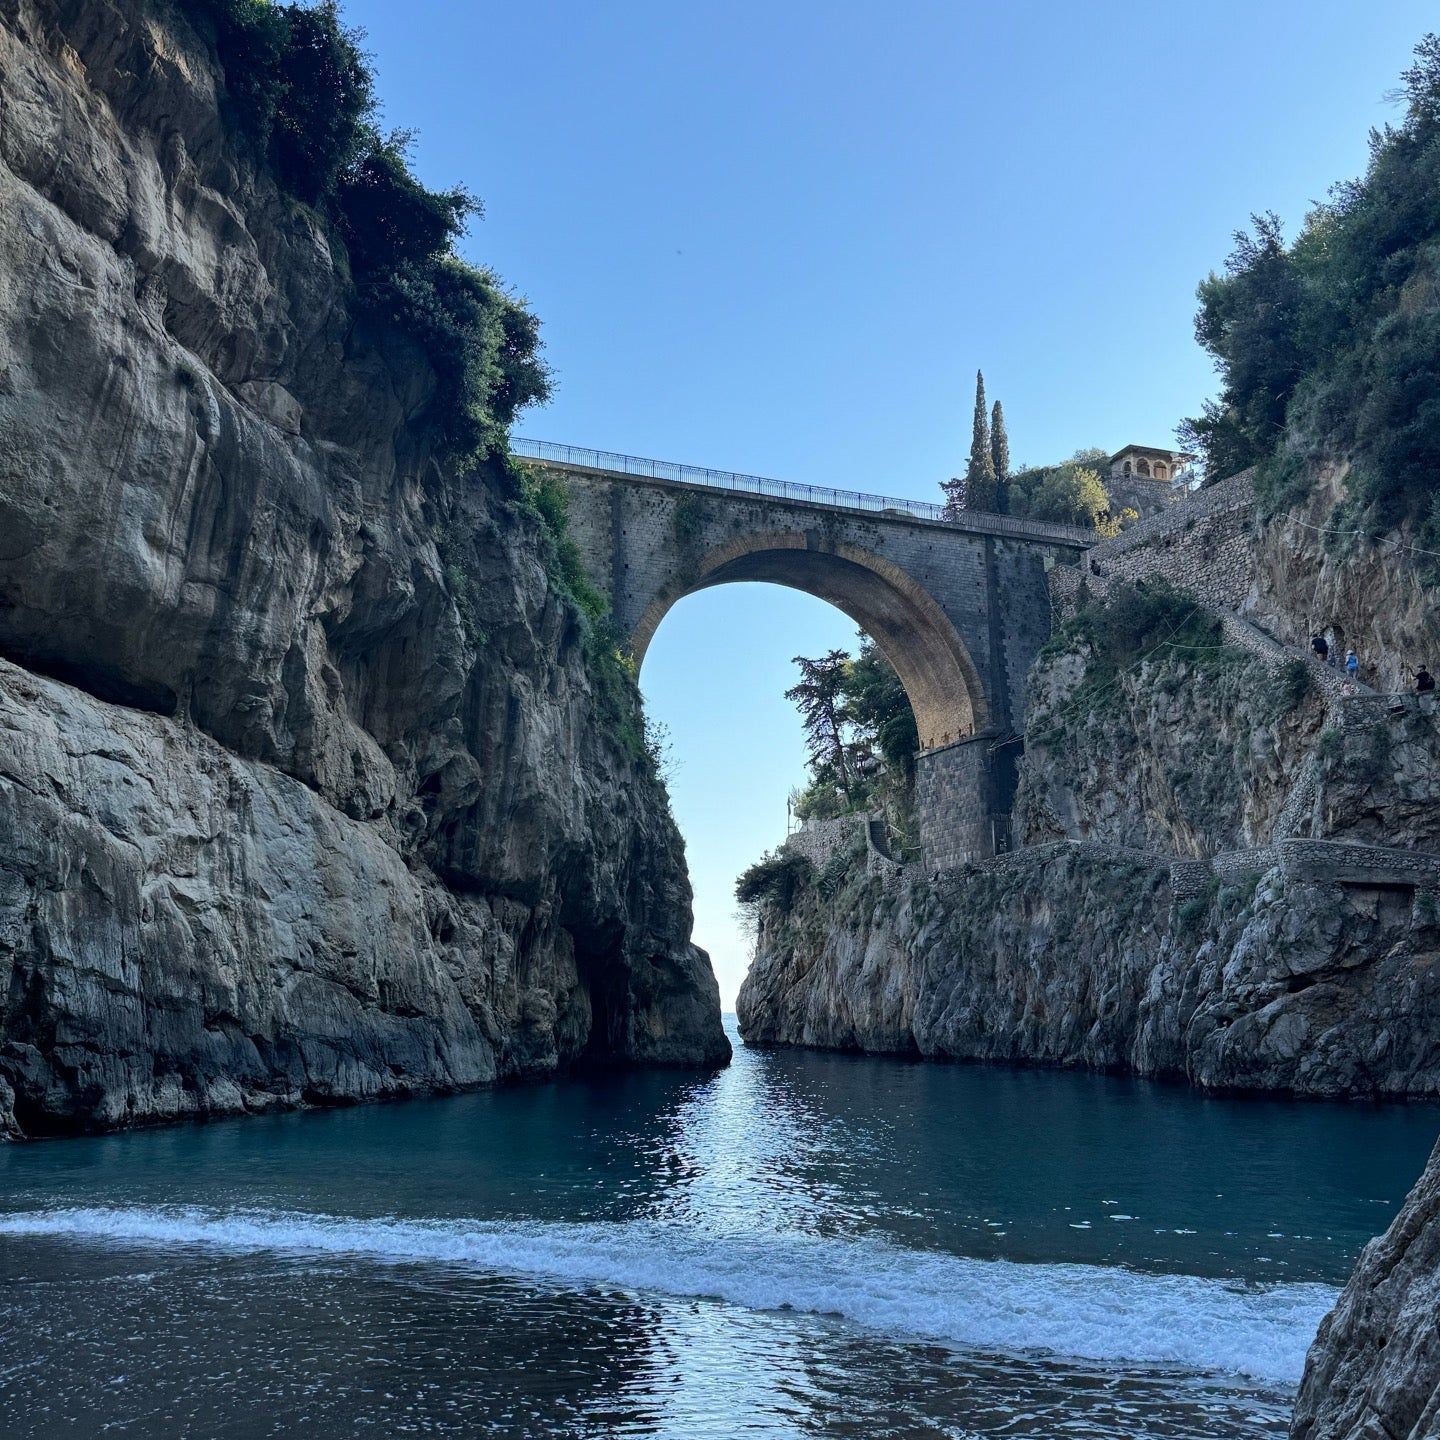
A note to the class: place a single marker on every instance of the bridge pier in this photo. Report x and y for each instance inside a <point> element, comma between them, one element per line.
<point>963,798</point>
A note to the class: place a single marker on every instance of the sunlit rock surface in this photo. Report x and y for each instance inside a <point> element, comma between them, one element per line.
<point>303,790</point>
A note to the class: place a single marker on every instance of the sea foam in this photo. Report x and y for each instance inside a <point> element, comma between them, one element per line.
<point>1088,1312</point>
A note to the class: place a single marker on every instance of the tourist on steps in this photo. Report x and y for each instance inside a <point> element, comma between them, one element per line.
<point>1424,681</point>
<point>1321,646</point>
<point>1352,665</point>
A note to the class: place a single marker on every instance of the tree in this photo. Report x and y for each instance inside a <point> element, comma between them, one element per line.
<point>820,698</point>
<point>879,709</point>
<point>1251,321</point>
<point>1000,458</point>
<point>862,737</point>
<point>954,491</point>
<point>1070,493</point>
<point>980,473</point>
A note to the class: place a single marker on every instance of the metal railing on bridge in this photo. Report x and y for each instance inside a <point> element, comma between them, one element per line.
<point>615,463</point>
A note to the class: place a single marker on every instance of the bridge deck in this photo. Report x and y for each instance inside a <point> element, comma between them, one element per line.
<point>669,472</point>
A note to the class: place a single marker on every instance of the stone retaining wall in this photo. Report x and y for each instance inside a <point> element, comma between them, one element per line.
<point>820,840</point>
<point>1314,861</point>
<point>1217,510</point>
<point>1358,711</point>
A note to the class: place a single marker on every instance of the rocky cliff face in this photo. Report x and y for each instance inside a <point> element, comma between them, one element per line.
<point>305,789</point>
<point>1311,572</point>
<point>1374,1370</point>
<point>1106,942</point>
<point>1078,957</point>
<point>1176,757</point>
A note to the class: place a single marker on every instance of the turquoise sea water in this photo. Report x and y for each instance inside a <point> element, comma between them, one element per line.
<point>802,1245</point>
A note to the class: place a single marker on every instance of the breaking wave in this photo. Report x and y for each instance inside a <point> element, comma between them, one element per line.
<point>1087,1312</point>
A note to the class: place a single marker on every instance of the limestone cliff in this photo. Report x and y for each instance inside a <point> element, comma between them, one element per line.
<point>1081,956</point>
<point>1178,756</point>
<point>306,790</point>
<point>1316,568</point>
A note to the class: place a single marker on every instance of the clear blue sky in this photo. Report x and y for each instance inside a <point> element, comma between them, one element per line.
<point>781,238</point>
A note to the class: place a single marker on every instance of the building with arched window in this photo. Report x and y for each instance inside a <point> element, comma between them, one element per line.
<point>1146,462</point>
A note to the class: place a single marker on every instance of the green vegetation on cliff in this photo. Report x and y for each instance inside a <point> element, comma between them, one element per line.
<point>303,94</point>
<point>1134,623</point>
<point>1329,348</point>
<point>1070,493</point>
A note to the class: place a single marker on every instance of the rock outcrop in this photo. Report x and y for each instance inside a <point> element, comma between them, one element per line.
<point>1173,757</point>
<point>306,789</point>
<point>1314,569</point>
<point>1081,956</point>
<point>1374,1370</point>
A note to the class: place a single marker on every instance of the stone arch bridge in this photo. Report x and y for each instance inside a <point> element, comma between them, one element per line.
<point>959,607</point>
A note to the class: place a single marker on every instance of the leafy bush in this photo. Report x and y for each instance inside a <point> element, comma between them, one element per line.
<point>1071,493</point>
<point>1189,913</point>
<point>774,879</point>
<point>303,92</point>
<point>1330,346</point>
<point>1290,686</point>
<point>1151,615</point>
<point>1331,744</point>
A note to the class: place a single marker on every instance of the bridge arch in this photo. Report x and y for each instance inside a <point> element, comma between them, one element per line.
<point>958,602</point>
<point>912,631</point>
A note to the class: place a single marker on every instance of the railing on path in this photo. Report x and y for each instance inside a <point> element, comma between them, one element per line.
<point>609,460</point>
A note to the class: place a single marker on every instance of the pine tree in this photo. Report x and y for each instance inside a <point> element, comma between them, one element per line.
<point>820,698</point>
<point>1000,458</point>
<point>954,492</point>
<point>980,473</point>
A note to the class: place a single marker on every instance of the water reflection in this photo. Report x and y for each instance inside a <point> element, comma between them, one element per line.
<point>826,1174</point>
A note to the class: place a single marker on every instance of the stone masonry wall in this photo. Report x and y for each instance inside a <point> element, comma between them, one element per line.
<point>1203,544</point>
<point>953,803</point>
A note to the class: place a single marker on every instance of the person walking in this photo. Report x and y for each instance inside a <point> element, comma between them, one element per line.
<point>1352,665</point>
<point>1424,681</point>
<point>1321,646</point>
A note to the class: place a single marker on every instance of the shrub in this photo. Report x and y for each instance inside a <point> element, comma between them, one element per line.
<point>1140,619</point>
<point>1191,912</point>
<point>303,93</point>
<point>775,879</point>
<point>1290,686</point>
<point>1331,744</point>
<point>688,523</point>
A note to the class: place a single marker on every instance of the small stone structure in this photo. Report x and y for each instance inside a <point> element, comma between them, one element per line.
<point>1146,462</point>
<point>819,841</point>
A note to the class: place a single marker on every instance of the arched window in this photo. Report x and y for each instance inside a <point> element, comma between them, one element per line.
<point>1142,467</point>
<point>1160,471</point>
<point>1127,467</point>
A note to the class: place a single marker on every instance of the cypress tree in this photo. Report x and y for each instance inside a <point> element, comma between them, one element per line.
<point>980,473</point>
<point>1000,458</point>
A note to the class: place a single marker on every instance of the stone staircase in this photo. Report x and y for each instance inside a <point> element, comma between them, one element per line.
<point>1068,583</point>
